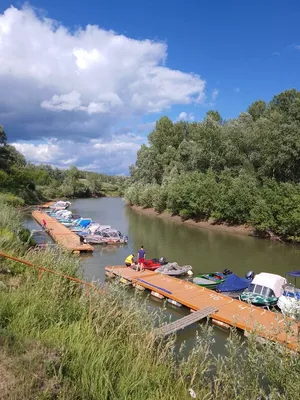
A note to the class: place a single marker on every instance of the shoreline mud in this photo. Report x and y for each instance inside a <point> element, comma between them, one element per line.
<point>210,224</point>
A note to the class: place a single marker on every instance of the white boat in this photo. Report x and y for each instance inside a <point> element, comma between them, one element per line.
<point>173,269</point>
<point>264,290</point>
<point>60,205</point>
<point>289,301</point>
<point>107,236</point>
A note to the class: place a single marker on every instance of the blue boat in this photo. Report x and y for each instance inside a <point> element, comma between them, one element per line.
<point>80,224</point>
<point>235,285</point>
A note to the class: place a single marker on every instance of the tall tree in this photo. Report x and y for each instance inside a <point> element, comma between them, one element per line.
<point>257,109</point>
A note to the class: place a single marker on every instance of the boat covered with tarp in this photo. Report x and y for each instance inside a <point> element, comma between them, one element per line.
<point>234,284</point>
<point>173,269</point>
<point>80,224</point>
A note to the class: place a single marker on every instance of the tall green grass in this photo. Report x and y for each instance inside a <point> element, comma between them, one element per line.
<point>106,348</point>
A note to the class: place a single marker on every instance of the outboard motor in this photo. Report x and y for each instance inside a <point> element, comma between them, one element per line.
<point>250,275</point>
<point>227,271</point>
<point>162,261</point>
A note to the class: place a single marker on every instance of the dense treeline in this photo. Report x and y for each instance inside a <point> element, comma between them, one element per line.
<point>240,171</point>
<point>38,182</point>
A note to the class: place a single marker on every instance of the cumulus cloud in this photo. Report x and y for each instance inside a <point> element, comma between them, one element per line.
<point>183,116</point>
<point>113,156</point>
<point>84,84</point>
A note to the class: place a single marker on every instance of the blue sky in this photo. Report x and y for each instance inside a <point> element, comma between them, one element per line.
<point>240,52</point>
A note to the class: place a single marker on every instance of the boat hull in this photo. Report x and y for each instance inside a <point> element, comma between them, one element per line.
<point>259,300</point>
<point>210,280</point>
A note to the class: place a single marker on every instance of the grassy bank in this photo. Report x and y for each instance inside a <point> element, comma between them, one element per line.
<point>58,342</point>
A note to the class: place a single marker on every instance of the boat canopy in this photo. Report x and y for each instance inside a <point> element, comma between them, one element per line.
<point>233,283</point>
<point>64,213</point>
<point>84,222</point>
<point>272,281</point>
<point>295,273</point>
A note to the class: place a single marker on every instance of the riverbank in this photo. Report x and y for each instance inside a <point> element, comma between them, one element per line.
<point>210,224</point>
<point>59,342</point>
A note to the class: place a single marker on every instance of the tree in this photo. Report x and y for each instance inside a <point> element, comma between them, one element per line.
<point>3,138</point>
<point>257,109</point>
<point>214,115</point>
<point>162,135</point>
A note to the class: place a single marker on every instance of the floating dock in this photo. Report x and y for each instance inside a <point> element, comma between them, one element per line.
<point>229,312</point>
<point>61,234</point>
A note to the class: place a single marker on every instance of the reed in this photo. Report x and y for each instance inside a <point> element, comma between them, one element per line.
<point>76,343</point>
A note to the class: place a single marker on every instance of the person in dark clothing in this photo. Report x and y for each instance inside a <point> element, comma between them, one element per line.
<point>141,258</point>
<point>81,238</point>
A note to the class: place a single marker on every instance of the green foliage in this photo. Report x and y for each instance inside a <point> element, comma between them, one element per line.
<point>3,137</point>
<point>257,109</point>
<point>91,345</point>
<point>241,171</point>
<point>11,199</point>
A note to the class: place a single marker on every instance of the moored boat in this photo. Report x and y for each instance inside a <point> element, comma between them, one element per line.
<point>212,279</point>
<point>234,285</point>
<point>173,269</point>
<point>289,301</point>
<point>264,290</point>
<point>107,236</point>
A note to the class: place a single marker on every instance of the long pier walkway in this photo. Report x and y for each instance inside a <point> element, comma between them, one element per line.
<point>61,234</point>
<point>230,311</point>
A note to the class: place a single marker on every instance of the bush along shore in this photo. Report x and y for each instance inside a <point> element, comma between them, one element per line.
<point>58,342</point>
<point>244,171</point>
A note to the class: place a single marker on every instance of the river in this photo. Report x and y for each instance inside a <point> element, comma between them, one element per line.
<point>204,249</point>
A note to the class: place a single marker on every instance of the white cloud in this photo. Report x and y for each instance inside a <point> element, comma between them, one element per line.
<point>81,85</point>
<point>111,156</point>
<point>297,46</point>
<point>214,95</point>
<point>65,102</point>
<point>183,116</point>
<point>237,90</point>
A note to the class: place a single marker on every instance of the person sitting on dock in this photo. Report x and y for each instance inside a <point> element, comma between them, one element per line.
<point>44,223</point>
<point>141,258</point>
<point>129,261</point>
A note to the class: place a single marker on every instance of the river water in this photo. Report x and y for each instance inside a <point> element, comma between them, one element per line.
<point>204,249</point>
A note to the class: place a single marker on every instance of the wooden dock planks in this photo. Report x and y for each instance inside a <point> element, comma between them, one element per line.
<point>183,322</point>
<point>61,234</point>
<point>230,311</point>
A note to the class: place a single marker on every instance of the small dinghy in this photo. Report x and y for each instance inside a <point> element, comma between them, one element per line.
<point>173,269</point>
<point>211,280</point>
